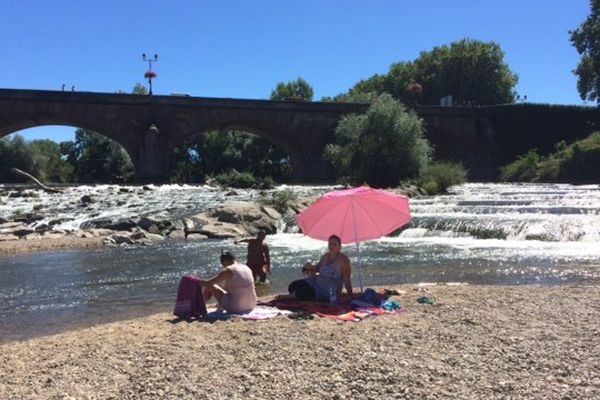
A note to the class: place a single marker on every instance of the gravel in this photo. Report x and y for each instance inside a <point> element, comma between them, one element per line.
<point>476,342</point>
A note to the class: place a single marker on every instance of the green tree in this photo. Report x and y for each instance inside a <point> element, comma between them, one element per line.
<point>586,39</point>
<point>99,159</point>
<point>472,71</point>
<point>381,147</point>
<point>140,89</point>
<point>48,164</point>
<point>14,153</point>
<point>298,89</point>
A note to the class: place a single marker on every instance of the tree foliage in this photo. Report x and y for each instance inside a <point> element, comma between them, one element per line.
<point>222,151</point>
<point>578,162</point>
<point>381,147</point>
<point>586,39</point>
<point>298,89</point>
<point>472,71</point>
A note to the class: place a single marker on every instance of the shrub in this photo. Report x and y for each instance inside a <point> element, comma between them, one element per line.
<point>576,163</point>
<point>236,179</point>
<point>523,169</point>
<point>282,200</point>
<point>381,147</point>
<point>439,176</point>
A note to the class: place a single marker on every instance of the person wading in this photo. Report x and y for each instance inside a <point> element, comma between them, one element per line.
<point>258,260</point>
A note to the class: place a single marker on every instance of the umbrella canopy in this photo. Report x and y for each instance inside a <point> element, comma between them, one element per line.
<point>355,215</point>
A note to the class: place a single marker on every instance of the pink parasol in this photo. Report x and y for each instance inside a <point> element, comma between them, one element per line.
<point>355,215</point>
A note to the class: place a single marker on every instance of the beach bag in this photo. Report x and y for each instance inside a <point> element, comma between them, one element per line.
<point>190,303</point>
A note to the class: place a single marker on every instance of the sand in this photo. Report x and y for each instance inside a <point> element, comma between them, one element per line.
<point>477,342</point>
<point>45,244</point>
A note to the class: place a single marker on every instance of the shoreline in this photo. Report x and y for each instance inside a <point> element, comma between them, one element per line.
<point>476,342</point>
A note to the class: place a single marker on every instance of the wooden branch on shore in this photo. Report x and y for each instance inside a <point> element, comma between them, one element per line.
<point>36,181</point>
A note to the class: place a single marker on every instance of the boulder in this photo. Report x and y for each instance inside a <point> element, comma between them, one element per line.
<point>29,218</point>
<point>124,190</point>
<point>271,212</point>
<point>179,234</point>
<point>196,236</point>
<point>86,199</point>
<point>231,193</point>
<point>38,207</point>
<point>59,221</point>
<point>122,239</point>
<point>148,225</point>
<point>9,225</point>
<point>235,213</point>
<point>139,235</point>
<point>42,228</point>
<point>8,238</point>
<point>153,237</point>
<point>125,225</point>
<point>3,221</point>
<point>17,231</point>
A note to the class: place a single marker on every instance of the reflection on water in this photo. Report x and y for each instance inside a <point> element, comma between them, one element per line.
<point>481,233</point>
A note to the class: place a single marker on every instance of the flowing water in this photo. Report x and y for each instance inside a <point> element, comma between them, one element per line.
<point>479,233</point>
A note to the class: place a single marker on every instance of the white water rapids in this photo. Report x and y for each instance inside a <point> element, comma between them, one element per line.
<point>478,233</point>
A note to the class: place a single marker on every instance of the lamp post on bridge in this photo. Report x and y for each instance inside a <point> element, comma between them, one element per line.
<point>150,74</point>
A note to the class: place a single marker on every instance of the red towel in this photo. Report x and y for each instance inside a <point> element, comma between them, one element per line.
<point>190,303</point>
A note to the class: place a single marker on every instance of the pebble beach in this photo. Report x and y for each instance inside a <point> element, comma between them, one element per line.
<point>475,342</point>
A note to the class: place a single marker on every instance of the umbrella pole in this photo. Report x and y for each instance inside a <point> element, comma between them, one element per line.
<point>359,266</point>
<point>357,246</point>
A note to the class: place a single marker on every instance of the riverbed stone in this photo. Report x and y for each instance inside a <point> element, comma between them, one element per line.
<point>100,223</point>
<point>152,237</point>
<point>122,239</point>
<point>148,224</point>
<point>86,199</point>
<point>177,234</point>
<point>195,236</point>
<point>271,212</point>
<point>125,225</point>
<point>8,237</point>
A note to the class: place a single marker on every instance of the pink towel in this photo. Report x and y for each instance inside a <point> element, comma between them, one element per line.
<point>190,303</point>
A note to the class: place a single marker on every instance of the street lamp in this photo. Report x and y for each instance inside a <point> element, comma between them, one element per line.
<point>150,74</point>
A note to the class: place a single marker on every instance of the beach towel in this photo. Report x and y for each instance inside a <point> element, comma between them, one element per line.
<point>190,303</point>
<point>259,313</point>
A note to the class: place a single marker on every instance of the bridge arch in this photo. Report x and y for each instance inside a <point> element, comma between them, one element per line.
<point>121,161</point>
<point>294,154</point>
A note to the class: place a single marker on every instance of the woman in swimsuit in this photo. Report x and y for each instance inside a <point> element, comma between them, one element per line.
<point>328,276</point>
<point>239,294</point>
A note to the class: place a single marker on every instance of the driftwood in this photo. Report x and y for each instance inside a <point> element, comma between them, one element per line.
<point>36,181</point>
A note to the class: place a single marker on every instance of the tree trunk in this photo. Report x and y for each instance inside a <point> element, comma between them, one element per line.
<point>36,181</point>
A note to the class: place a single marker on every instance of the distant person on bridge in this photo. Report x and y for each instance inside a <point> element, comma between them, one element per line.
<point>258,260</point>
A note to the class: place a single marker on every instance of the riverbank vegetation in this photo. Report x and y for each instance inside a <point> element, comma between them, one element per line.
<point>578,162</point>
<point>385,147</point>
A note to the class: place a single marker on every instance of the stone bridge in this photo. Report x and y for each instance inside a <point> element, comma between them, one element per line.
<point>150,128</point>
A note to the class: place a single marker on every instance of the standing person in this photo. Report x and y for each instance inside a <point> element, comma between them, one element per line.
<point>238,295</point>
<point>258,260</point>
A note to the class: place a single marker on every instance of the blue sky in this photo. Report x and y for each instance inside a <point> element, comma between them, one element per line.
<point>243,48</point>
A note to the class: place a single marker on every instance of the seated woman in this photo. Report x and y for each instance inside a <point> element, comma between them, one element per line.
<point>329,275</point>
<point>239,294</point>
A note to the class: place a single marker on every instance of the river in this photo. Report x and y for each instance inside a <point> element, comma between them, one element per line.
<point>478,233</point>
